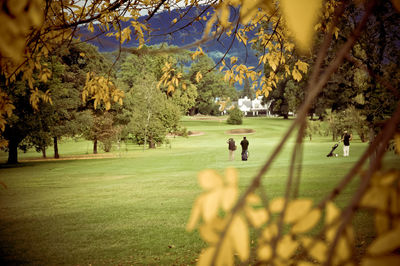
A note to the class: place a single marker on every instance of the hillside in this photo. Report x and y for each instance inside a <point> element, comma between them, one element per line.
<point>184,32</point>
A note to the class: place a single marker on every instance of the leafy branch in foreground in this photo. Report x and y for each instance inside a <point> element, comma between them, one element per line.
<point>283,225</point>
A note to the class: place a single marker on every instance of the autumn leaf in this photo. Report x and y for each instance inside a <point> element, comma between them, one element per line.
<point>210,204</point>
<point>229,197</point>
<point>239,233</point>
<point>206,256</point>
<point>264,252</point>
<point>286,246</point>
<point>208,233</point>
<point>316,248</point>
<point>231,176</point>
<point>385,243</point>
<point>300,16</point>
<point>297,209</point>
<point>307,222</point>
<point>276,205</point>
<point>209,179</point>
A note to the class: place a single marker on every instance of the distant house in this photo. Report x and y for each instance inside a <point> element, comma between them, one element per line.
<point>246,105</point>
<point>253,107</point>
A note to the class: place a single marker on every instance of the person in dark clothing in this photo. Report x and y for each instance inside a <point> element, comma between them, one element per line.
<point>346,138</point>
<point>231,148</point>
<point>245,145</point>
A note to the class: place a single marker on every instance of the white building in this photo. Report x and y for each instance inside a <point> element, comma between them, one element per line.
<point>253,106</point>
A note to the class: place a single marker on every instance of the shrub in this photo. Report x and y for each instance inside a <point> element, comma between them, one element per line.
<point>235,117</point>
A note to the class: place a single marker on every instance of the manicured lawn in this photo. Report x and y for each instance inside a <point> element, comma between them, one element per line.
<point>132,209</point>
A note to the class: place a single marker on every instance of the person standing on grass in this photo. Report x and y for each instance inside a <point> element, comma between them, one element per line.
<point>231,148</point>
<point>346,138</point>
<point>245,145</point>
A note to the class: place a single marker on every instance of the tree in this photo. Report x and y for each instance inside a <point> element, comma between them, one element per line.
<point>153,115</point>
<point>24,120</point>
<point>247,90</point>
<point>235,117</point>
<point>209,87</point>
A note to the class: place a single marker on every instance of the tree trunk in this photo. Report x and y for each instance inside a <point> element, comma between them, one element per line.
<point>95,146</point>
<point>43,151</point>
<point>56,154</point>
<point>152,144</point>
<point>371,139</point>
<point>13,151</point>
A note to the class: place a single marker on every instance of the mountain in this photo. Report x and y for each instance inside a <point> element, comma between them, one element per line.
<point>184,32</point>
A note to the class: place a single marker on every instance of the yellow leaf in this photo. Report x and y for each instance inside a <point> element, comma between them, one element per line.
<point>225,256</point>
<point>270,232</point>
<point>174,20</point>
<point>296,75</point>
<point>248,10</point>
<point>206,256</point>
<point>90,27</point>
<point>376,197</point>
<point>264,252</point>
<point>224,16</point>
<point>229,197</point>
<point>300,17</point>
<point>231,176</point>
<point>210,205</point>
<point>208,233</point>
<point>276,205</point>
<point>209,179</point>
<point>302,66</point>
<point>297,209</point>
<point>239,233</point>
<point>332,214</point>
<point>287,246</point>
<point>233,59</point>
<point>199,76</point>
<point>316,248</point>
<point>253,199</point>
<point>385,243</point>
<point>257,217</point>
<point>307,222</point>
<point>195,214</point>
<point>343,249</point>
<point>384,260</point>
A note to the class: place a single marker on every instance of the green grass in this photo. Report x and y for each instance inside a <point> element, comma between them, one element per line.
<point>133,209</point>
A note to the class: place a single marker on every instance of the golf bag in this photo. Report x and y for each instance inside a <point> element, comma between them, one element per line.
<point>245,155</point>
<point>331,154</point>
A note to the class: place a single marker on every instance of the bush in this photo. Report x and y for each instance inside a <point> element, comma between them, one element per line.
<point>235,117</point>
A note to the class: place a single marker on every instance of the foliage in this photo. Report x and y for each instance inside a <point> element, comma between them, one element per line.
<point>153,114</point>
<point>313,128</point>
<point>283,225</point>
<point>235,117</point>
<point>209,87</point>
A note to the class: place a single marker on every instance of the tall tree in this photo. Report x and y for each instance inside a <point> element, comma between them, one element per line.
<point>209,87</point>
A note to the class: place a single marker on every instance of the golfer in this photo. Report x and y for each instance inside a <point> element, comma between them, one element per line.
<point>231,148</point>
<point>245,145</point>
<point>346,138</point>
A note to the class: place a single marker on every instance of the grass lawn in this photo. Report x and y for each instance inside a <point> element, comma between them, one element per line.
<point>133,208</point>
